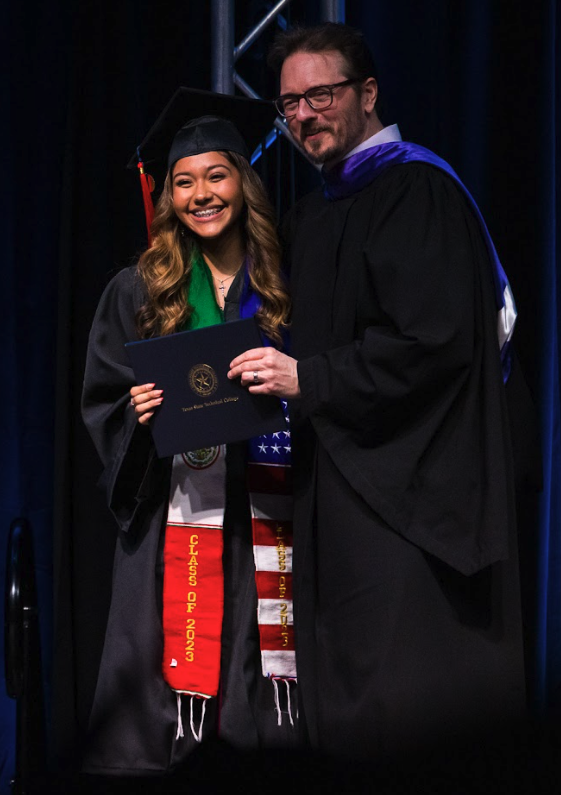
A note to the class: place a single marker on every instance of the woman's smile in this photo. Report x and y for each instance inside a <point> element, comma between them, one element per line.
<point>209,213</point>
<point>207,194</point>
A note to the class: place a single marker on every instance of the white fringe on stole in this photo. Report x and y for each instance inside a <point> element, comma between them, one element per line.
<point>198,736</point>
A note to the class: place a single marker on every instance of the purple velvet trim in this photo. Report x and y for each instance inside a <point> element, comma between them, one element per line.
<point>358,171</point>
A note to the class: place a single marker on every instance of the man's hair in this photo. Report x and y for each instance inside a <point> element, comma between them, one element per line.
<point>359,63</point>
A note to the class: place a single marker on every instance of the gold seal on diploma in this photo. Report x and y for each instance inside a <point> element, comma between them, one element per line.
<point>201,459</point>
<point>203,380</point>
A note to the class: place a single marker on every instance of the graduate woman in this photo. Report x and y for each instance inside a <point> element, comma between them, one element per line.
<point>172,675</point>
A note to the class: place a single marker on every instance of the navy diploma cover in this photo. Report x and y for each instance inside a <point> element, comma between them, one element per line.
<point>201,406</point>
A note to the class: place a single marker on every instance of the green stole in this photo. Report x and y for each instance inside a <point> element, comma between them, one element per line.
<point>201,297</point>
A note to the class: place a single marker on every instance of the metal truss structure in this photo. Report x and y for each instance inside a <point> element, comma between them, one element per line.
<point>225,53</point>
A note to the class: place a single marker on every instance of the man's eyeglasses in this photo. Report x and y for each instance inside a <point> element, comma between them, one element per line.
<point>318,98</point>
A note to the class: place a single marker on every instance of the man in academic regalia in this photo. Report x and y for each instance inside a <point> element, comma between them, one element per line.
<point>407,613</point>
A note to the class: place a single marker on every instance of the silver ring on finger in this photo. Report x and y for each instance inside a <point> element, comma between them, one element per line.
<point>133,404</point>
<point>255,377</point>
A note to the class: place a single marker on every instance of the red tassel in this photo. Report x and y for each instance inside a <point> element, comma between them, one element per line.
<point>147,185</point>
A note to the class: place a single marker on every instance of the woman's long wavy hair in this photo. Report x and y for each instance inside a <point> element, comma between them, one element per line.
<point>165,267</point>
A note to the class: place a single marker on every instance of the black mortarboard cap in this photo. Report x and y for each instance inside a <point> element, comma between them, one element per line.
<point>196,121</point>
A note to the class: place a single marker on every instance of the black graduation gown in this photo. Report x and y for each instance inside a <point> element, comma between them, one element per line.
<point>134,715</point>
<point>407,611</point>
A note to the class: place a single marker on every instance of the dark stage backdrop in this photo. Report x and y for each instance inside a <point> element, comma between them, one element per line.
<point>475,80</point>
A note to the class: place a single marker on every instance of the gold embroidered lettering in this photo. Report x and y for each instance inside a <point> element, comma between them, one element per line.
<point>281,548</point>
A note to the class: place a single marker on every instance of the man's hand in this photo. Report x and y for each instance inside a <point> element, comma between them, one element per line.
<point>266,371</point>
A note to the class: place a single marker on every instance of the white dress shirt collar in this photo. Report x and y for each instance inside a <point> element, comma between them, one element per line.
<point>386,136</point>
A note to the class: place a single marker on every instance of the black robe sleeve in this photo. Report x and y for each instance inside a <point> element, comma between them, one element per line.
<point>132,472</point>
<point>411,406</point>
